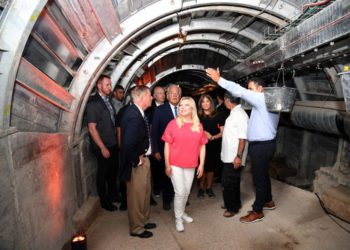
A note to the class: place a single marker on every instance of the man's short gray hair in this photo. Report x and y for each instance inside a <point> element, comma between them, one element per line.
<point>172,85</point>
<point>139,91</point>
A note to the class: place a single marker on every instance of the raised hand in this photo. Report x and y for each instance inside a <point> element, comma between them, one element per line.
<point>213,74</point>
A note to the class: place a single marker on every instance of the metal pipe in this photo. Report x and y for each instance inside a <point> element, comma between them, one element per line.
<point>327,25</point>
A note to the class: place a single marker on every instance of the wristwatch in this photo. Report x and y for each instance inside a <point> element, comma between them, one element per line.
<point>239,156</point>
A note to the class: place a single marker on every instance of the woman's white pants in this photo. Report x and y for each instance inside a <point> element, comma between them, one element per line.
<point>182,179</point>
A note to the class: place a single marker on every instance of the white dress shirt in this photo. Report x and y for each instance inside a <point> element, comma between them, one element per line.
<point>236,126</point>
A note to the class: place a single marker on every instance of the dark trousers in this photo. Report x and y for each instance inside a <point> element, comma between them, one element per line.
<point>219,168</point>
<point>261,153</point>
<point>167,186</point>
<point>122,187</point>
<point>156,170</point>
<point>107,175</point>
<point>230,181</point>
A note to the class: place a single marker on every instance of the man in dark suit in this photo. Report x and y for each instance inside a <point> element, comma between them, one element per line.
<point>134,164</point>
<point>220,107</point>
<point>100,116</point>
<point>161,117</point>
<point>156,166</point>
<point>224,112</point>
<point>158,99</point>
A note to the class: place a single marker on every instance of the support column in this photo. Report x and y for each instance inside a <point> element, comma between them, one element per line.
<point>302,177</point>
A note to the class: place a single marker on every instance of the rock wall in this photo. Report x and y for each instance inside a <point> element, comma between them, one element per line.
<point>306,152</point>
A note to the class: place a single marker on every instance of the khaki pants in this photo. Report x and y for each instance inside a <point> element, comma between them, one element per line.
<point>138,197</point>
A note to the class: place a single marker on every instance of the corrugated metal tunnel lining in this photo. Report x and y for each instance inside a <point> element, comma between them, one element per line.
<point>216,35</point>
<point>73,34</point>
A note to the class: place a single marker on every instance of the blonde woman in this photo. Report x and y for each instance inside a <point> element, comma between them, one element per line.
<point>185,142</point>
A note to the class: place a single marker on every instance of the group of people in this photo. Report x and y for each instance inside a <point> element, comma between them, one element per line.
<point>166,144</point>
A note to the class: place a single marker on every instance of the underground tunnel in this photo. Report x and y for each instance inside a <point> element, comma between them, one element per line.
<point>52,53</point>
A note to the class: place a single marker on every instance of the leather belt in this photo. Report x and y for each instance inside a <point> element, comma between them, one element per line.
<point>262,142</point>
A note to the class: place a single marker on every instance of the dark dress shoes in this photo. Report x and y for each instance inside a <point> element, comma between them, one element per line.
<point>166,206</point>
<point>153,202</point>
<point>116,198</point>
<point>150,225</point>
<point>145,234</point>
<point>109,207</point>
<point>123,207</point>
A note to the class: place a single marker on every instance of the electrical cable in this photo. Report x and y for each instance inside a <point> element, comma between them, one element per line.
<point>315,4</point>
<point>251,20</point>
<point>331,214</point>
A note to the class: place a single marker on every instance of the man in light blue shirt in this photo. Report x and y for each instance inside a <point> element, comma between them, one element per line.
<point>262,129</point>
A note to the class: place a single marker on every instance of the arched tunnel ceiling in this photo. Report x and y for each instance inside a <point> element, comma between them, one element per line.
<point>218,26</point>
<point>129,39</point>
<point>221,28</point>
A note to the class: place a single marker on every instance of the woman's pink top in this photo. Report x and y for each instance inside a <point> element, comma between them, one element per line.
<point>184,144</point>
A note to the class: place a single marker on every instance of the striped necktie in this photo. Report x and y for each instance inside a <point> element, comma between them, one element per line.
<point>175,111</point>
<point>148,130</point>
<point>109,106</point>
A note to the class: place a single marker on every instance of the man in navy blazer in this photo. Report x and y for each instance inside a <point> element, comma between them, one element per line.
<point>163,114</point>
<point>134,162</point>
<point>156,168</point>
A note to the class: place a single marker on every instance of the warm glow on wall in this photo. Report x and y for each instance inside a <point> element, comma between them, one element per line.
<point>52,164</point>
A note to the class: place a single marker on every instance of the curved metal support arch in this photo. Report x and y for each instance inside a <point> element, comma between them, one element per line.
<point>278,9</point>
<point>170,32</point>
<point>250,10</point>
<point>94,64</point>
<point>192,46</point>
<point>185,67</point>
<point>200,24</point>
<point>135,65</point>
<point>14,32</point>
<point>151,16</point>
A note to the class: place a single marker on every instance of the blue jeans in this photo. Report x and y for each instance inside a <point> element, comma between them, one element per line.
<point>261,153</point>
